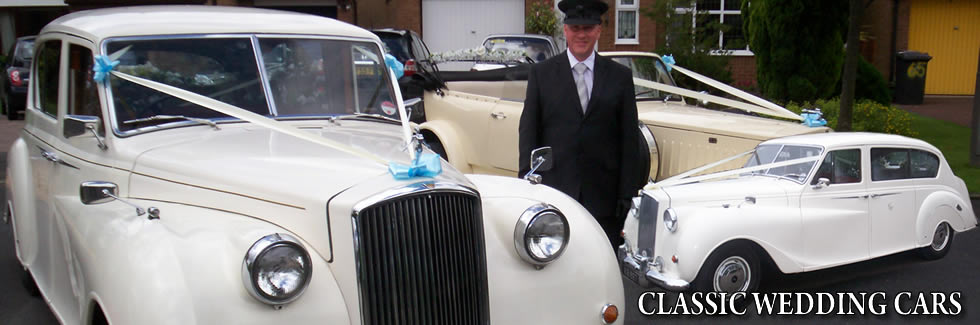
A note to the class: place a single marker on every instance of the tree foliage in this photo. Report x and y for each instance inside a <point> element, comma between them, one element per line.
<point>798,46</point>
<point>691,45</point>
<point>542,19</point>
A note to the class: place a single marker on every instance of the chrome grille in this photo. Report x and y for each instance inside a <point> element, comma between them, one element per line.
<point>647,230</point>
<point>421,259</point>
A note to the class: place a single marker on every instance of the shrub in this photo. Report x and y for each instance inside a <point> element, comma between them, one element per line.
<point>870,84</point>
<point>542,19</point>
<point>868,116</point>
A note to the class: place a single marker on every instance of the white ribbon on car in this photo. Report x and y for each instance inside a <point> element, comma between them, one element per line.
<point>736,92</point>
<point>245,115</point>
<point>685,179</point>
<point>784,113</point>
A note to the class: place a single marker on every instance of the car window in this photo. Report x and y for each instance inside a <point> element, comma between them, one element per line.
<point>535,48</point>
<point>422,52</point>
<point>25,50</point>
<point>647,68</point>
<point>840,167</point>
<point>889,164</point>
<point>48,61</point>
<point>220,68</point>
<point>313,77</point>
<point>763,155</point>
<point>799,171</point>
<point>924,164</point>
<point>83,96</point>
<point>396,46</point>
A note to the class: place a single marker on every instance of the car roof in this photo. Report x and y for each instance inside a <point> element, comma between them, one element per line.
<point>26,38</point>
<point>544,37</point>
<point>843,139</point>
<point>100,24</point>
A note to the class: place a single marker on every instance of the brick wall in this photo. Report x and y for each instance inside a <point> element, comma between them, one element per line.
<point>402,14</point>
<point>743,72</point>
<point>647,30</point>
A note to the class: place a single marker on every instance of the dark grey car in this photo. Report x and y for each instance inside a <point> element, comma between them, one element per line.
<point>17,71</point>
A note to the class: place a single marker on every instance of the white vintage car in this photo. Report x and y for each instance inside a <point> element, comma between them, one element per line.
<point>221,165</point>
<point>473,120</point>
<point>803,203</point>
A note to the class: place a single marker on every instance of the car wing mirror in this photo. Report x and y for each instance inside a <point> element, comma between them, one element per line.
<point>821,183</point>
<point>541,160</point>
<point>97,192</point>
<point>412,105</point>
<point>76,125</point>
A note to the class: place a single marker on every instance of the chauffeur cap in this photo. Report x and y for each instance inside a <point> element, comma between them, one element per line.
<point>583,12</point>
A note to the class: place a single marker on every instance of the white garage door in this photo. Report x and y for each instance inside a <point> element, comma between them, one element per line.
<point>459,24</point>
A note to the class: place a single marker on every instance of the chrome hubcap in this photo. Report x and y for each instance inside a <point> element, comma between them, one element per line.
<point>732,275</point>
<point>941,238</point>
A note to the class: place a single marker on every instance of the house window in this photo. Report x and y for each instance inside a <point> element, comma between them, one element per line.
<point>724,21</point>
<point>627,22</point>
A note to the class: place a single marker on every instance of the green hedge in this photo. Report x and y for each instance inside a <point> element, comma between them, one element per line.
<point>868,116</point>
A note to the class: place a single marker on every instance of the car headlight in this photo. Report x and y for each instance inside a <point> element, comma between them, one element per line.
<point>541,234</point>
<point>670,219</point>
<point>277,269</point>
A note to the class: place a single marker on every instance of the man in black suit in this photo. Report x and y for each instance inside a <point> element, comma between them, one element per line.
<point>583,106</point>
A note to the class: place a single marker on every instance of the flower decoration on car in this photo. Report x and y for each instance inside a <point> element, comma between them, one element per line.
<point>669,61</point>
<point>424,165</point>
<point>102,67</point>
<point>480,54</point>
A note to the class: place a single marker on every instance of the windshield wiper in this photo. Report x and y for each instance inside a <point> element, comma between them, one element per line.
<point>173,117</point>
<point>362,116</point>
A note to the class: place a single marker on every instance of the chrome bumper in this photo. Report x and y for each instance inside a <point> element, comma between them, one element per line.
<point>640,270</point>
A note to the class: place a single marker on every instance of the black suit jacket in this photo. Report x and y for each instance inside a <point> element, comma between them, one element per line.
<point>595,153</point>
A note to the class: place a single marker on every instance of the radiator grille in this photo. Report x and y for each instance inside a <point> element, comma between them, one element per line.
<point>421,260</point>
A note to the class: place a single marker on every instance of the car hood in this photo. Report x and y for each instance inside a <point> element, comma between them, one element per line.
<point>769,191</point>
<point>680,116</point>
<point>253,161</point>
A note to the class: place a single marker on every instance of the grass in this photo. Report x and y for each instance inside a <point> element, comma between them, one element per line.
<point>954,141</point>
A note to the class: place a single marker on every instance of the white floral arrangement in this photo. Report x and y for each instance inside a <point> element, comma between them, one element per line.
<point>480,54</point>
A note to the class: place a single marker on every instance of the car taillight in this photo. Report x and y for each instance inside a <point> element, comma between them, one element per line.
<point>409,67</point>
<point>15,78</point>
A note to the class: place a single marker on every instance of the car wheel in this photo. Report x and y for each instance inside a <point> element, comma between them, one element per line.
<point>27,281</point>
<point>942,240</point>
<point>731,269</point>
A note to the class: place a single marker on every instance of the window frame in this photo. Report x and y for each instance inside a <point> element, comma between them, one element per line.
<point>721,12</point>
<point>36,93</point>
<point>907,168</point>
<point>832,154</point>
<point>635,8</point>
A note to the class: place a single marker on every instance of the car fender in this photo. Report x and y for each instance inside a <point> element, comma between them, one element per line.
<point>586,274</point>
<point>701,231</point>
<point>186,267</point>
<point>20,204</point>
<point>447,134</point>
<point>938,207</point>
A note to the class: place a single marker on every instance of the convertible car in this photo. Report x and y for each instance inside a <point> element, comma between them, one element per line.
<point>803,203</point>
<point>472,119</point>
<point>223,165</point>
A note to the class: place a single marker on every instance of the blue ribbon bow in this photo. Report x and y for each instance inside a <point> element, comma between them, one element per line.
<point>394,65</point>
<point>102,67</point>
<point>813,118</point>
<point>668,60</point>
<point>424,165</point>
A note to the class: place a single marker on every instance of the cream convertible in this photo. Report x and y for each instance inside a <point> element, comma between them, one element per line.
<point>804,203</point>
<point>472,119</point>
<point>232,168</point>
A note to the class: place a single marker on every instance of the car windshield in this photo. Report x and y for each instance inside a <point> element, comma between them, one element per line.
<point>302,78</point>
<point>537,49</point>
<point>767,154</point>
<point>647,68</point>
<point>25,50</point>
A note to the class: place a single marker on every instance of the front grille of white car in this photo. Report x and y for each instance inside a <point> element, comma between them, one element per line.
<point>647,227</point>
<point>421,260</point>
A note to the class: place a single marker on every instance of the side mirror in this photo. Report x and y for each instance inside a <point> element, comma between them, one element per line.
<point>541,160</point>
<point>821,183</point>
<point>76,125</point>
<point>412,106</point>
<point>95,192</point>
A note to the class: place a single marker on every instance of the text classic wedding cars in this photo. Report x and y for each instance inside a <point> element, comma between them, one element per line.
<point>221,165</point>
<point>803,203</point>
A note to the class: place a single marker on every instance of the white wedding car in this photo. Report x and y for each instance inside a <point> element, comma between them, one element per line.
<point>228,165</point>
<point>803,203</point>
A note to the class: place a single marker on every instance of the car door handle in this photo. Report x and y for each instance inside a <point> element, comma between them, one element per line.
<point>498,115</point>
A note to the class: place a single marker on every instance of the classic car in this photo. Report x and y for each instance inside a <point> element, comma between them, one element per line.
<point>223,165</point>
<point>16,76</point>
<point>472,119</point>
<point>536,47</point>
<point>802,203</point>
<point>408,48</point>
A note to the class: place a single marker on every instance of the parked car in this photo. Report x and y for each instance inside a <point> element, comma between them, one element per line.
<point>472,121</point>
<point>409,49</point>
<point>537,47</point>
<point>225,165</point>
<point>17,73</point>
<point>803,203</point>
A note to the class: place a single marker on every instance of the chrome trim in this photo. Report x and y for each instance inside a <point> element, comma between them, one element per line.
<point>266,88</point>
<point>415,188</point>
<point>884,194</point>
<point>670,219</point>
<point>651,276</point>
<point>520,234</point>
<point>92,192</point>
<point>850,197</point>
<point>261,246</point>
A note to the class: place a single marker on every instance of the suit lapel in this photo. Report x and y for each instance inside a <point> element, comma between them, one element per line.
<point>598,74</point>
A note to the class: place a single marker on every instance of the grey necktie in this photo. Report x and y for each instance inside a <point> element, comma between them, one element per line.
<point>583,89</point>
